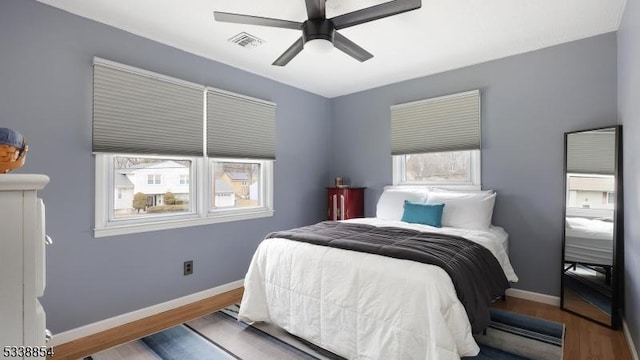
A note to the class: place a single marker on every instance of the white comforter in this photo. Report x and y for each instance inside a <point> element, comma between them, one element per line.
<point>363,306</point>
<point>588,241</point>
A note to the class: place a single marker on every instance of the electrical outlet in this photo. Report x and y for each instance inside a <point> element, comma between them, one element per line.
<point>188,267</point>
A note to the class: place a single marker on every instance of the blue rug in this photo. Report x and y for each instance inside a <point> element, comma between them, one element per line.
<point>181,343</point>
<point>516,336</point>
<point>219,336</point>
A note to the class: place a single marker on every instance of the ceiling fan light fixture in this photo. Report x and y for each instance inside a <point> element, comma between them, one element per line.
<point>317,27</point>
<point>318,35</point>
<point>319,46</point>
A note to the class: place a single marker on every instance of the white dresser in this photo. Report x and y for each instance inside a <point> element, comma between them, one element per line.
<point>22,266</point>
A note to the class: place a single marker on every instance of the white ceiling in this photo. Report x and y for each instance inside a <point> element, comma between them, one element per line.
<point>442,35</point>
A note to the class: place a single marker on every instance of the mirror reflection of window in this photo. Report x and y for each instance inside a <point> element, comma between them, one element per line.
<point>591,191</point>
<point>590,275</point>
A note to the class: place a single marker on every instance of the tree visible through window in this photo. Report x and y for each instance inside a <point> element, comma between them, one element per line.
<point>459,169</point>
<point>444,167</point>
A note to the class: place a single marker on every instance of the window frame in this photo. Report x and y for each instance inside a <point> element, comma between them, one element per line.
<point>266,189</point>
<point>200,191</point>
<point>475,183</point>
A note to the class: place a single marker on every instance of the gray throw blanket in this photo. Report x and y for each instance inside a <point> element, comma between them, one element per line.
<point>475,272</point>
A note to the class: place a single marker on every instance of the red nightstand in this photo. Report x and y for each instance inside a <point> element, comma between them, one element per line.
<point>345,202</point>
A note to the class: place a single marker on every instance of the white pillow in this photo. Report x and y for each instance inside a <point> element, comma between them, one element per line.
<point>391,203</point>
<point>465,211</point>
<point>441,190</point>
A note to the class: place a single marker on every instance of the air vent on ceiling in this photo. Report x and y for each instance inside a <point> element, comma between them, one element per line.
<point>246,40</point>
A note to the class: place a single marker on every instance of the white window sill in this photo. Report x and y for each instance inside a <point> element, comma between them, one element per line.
<point>118,229</point>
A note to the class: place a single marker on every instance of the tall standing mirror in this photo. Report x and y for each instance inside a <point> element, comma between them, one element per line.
<point>592,243</point>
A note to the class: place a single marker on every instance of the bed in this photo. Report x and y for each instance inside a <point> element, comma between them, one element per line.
<point>367,306</point>
<point>589,242</point>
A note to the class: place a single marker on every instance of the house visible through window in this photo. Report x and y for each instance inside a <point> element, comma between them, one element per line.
<point>236,184</point>
<point>591,191</point>
<point>136,180</point>
<point>150,189</point>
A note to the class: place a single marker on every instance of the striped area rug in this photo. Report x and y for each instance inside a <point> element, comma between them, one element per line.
<point>516,336</point>
<point>219,336</point>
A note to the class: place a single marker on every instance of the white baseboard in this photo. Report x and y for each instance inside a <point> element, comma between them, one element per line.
<point>534,296</point>
<point>627,335</point>
<point>94,328</point>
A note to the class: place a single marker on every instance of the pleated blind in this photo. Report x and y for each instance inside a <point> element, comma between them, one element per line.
<point>138,112</point>
<point>239,126</point>
<point>592,152</point>
<point>446,123</point>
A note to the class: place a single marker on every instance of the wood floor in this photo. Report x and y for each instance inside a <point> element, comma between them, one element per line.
<point>584,339</point>
<point>79,348</point>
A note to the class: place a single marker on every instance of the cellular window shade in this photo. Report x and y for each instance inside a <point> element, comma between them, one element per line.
<point>446,123</point>
<point>138,112</point>
<point>592,152</point>
<point>240,127</point>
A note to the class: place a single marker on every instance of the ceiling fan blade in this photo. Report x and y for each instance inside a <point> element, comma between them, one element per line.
<point>316,9</point>
<point>375,12</point>
<point>256,20</point>
<point>351,48</point>
<point>290,53</point>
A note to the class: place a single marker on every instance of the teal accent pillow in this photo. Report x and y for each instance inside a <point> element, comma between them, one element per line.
<point>426,214</point>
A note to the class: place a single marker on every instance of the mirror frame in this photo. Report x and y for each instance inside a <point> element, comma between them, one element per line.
<point>617,272</point>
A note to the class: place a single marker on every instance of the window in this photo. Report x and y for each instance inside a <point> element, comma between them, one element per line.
<point>130,203</point>
<point>139,197</point>
<point>459,169</point>
<point>176,153</point>
<point>436,141</point>
<point>236,185</point>
<point>145,200</point>
<point>590,195</point>
<point>611,198</point>
<point>155,179</point>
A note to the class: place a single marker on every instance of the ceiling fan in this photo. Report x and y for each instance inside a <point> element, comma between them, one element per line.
<point>320,29</point>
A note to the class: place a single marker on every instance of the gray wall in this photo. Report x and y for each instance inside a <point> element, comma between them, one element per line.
<point>528,102</point>
<point>45,93</point>
<point>629,117</point>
